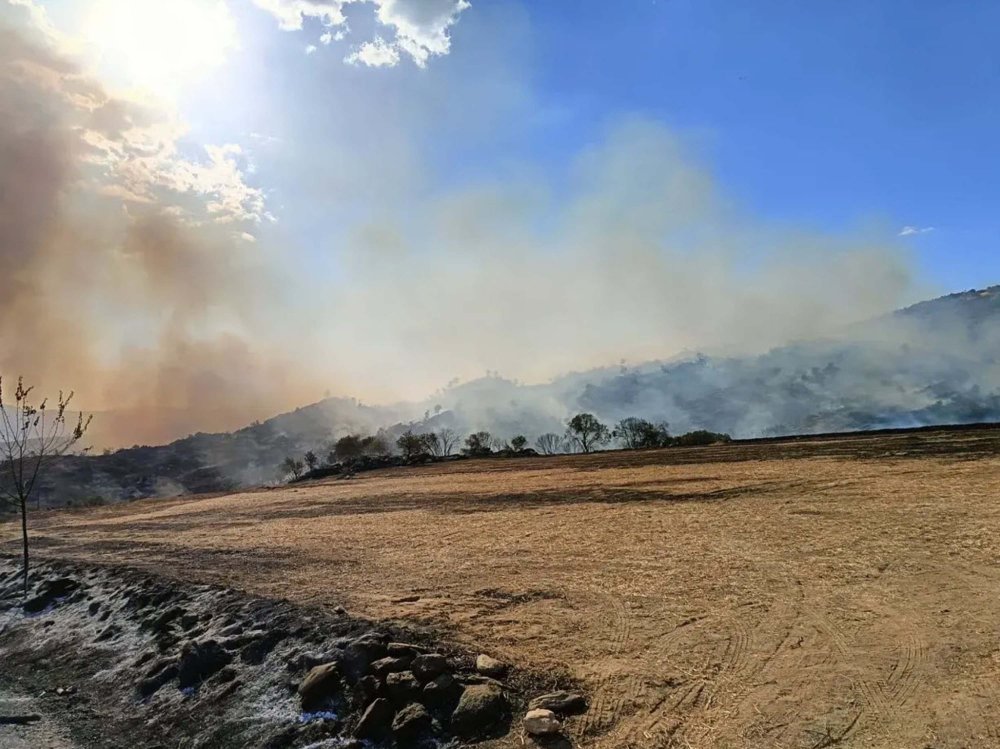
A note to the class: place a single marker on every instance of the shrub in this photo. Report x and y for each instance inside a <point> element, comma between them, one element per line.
<point>701,437</point>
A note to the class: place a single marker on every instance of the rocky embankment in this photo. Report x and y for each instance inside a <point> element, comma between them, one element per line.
<point>116,658</point>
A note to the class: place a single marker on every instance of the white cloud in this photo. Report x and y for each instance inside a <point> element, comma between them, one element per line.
<point>375,54</point>
<point>310,49</point>
<point>292,13</point>
<point>909,231</point>
<point>420,27</point>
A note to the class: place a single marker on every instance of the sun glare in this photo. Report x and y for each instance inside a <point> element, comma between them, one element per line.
<point>158,46</point>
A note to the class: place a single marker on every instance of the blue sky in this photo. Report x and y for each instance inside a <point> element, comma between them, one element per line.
<point>827,113</point>
<point>834,117</point>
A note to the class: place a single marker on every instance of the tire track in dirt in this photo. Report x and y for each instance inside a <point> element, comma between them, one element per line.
<point>608,697</point>
<point>885,700</point>
<point>735,655</point>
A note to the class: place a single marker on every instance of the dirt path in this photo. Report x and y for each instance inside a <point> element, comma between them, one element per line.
<point>801,597</point>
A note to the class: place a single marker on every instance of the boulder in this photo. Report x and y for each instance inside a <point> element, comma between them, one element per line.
<point>428,665</point>
<point>441,693</point>
<point>390,665</point>
<point>199,660</point>
<point>376,723</point>
<point>402,687</point>
<point>411,724</point>
<point>540,722</point>
<point>561,703</point>
<point>488,666</point>
<point>482,711</point>
<point>320,684</point>
<point>361,652</point>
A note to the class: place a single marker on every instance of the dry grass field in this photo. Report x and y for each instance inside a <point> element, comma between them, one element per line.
<point>834,592</point>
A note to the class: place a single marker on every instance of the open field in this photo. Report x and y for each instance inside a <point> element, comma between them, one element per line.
<point>838,592</point>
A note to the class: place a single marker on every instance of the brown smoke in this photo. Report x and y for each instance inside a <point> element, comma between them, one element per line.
<point>141,309</point>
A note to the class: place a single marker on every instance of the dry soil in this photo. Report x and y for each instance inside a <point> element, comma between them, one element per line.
<point>833,592</point>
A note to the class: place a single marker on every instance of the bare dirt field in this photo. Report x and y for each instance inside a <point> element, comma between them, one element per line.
<point>834,592</point>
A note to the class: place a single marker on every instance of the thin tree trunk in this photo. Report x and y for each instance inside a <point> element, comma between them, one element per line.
<point>24,538</point>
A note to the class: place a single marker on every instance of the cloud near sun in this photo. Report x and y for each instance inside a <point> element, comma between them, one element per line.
<point>419,27</point>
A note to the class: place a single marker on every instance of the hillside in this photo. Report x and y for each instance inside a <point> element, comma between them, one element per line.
<point>937,362</point>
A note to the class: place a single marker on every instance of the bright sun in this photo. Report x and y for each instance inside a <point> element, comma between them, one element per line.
<point>158,46</point>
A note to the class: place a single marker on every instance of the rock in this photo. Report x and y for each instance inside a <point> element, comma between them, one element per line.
<point>561,703</point>
<point>162,622</point>
<point>258,648</point>
<point>490,666</point>
<point>390,665</point>
<point>365,691</point>
<point>441,693</point>
<point>402,687</point>
<point>539,722</point>
<point>199,660</point>
<point>428,665</point>
<point>360,653</point>
<point>399,649</point>
<point>411,724</point>
<point>151,685</point>
<point>376,721</point>
<point>321,683</point>
<point>479,679</point>
<point>50,592</point>
<point>482,710</point>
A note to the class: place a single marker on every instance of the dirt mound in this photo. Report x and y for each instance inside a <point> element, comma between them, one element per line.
<point>123,659</point>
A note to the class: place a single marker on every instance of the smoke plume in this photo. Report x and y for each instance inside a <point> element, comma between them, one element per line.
<point>130,274</point>
<point>124,273</point>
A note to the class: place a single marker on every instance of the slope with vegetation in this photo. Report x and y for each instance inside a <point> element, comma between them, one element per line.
<point>937,362</point>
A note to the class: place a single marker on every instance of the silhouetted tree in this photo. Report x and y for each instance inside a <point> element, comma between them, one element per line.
<point>311,460</point>
<point>430,443</point>
<point>478,444</point>
<point>375,445</point>
<point>349,447</point>
<point>586,432</point>
<point>410,444</point>
<point>634,434</point>
<point>549,444</point>
<point>519,442</point>
<point>31,434</point>
<point>447,438</point>
<point>292,466</point>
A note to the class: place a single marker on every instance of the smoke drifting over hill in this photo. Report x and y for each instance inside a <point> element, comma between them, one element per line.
<point>132,277</point>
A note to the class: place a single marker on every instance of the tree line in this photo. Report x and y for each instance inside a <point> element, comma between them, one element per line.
<point>584,433</point>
